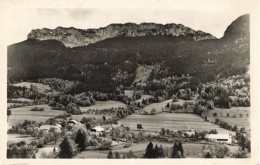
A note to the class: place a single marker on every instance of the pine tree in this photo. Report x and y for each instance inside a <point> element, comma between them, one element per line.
<point>130,154</point>
<point>110,155</point>
<point>180,148</point>
<point>67,148</point>
<point>149,151</point>
<point>174,150</point>
<point>178,155</point>
<point>124,156</point>
<point>208,155</point>
<point>156,153</point>
<point>242,142</point>
<point>81,140</point>
<point>117,155</point>
<point>161,152</point>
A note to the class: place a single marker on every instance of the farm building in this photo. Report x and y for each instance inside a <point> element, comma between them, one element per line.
<point>73,122</point>
<point>222,138</point>
<point>48,127</point>
<point>98,129</point>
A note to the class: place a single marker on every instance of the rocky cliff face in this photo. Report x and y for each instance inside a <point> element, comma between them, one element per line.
<point>72,37</point>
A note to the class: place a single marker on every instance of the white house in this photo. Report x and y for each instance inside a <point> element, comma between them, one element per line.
<point>98,129</point>
<point>73,122</point>
<point>222,138</point>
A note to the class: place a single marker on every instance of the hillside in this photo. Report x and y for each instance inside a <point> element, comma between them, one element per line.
<point>99,62</point>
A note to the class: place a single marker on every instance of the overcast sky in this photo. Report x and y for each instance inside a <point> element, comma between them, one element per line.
<point>22,20</point>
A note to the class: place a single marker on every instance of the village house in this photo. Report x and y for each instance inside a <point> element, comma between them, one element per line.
<point>97,129</point>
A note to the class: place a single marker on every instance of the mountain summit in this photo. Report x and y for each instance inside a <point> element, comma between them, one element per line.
<point>72,37</point>
<point>240,28</point>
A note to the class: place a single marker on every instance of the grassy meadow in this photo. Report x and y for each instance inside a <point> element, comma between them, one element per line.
<point>23,113</point>
<point>234,116</point>
<point>171,121</point>
<point>104,105</point>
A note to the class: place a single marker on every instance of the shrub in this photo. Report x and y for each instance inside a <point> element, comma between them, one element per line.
<point>40,145</point>
<point>37,109</point>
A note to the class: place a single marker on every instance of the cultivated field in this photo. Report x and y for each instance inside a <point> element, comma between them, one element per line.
<point>104,105</point>
<point>23,113</point>
<point>171,121</point>
<point>234,116</point>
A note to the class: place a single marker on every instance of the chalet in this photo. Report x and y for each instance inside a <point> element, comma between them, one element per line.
<point>98,129</point>
<point>221,138</point>
<point>73,122</point>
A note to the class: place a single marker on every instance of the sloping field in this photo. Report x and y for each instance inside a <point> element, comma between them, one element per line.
<point>143,73</point>
<point>157,106</point>
<point>9,104</point>
<point>46,152</point>
<point>22,99</point>
<point>97,116</point>
<point>234,116</point>
<point>129,93</point>
<point>23,113</point>
<point>104,105</point>
<point>171,121</point>
<point>15,138</point>
<point>41,88</point>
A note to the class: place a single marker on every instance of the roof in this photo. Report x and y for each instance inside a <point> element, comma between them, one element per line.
<point>98,128</point>
<point>217,136</point>
<point>73,121</point>
<point>190,133</point>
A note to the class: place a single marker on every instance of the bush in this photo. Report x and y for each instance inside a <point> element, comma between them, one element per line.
<point>73,109</point>
<point>9,112</point>
<point>40,145</point>
<point>37,109</point>
<point>215,114</point>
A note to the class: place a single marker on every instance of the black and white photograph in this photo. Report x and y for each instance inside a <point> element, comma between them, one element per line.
<point>122,82</point>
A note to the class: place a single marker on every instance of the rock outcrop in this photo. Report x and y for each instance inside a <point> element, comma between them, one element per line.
<point>72,37</point>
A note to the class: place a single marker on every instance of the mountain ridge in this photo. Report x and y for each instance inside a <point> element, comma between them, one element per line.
<point>100,62</point>
<point>73,37</point>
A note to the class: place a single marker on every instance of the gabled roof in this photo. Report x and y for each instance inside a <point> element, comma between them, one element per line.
<point>98,128</point>
<point>73,121</point>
